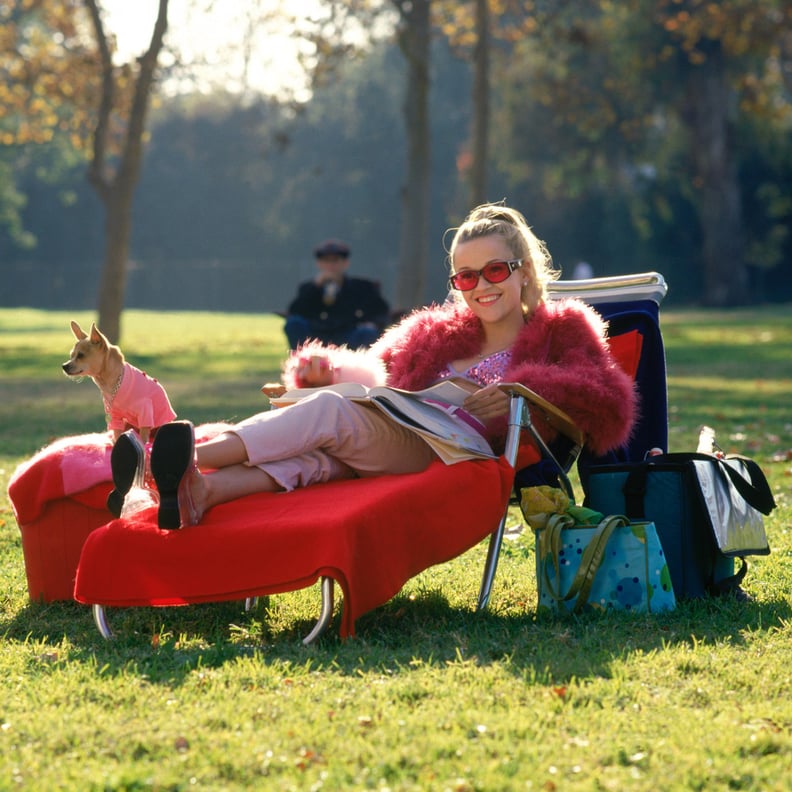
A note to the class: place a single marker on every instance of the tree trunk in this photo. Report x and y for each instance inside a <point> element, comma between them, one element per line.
<point>116,189</point>
<point>414,41</point>
<point>720,205</point>
<point>112,284</point>
<point>481,106</point>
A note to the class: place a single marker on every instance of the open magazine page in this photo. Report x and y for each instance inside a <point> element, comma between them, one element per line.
<point>450,391</point>
<point>453,437</point>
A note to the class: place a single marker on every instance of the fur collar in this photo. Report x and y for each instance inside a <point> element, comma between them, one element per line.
<point>417,351</point>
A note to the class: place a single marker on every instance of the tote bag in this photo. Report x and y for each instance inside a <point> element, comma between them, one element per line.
<point>616,565</point>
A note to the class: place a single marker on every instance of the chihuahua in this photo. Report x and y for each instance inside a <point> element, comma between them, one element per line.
<point>132,399</point>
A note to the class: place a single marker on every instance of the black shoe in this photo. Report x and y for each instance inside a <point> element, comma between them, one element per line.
<point>172,457</point>
<point>128,464</point>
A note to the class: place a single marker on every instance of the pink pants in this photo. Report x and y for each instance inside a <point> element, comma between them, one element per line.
<point>325,437</point>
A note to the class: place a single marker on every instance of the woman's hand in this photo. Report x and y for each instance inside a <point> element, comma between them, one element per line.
<point>487,403</point>
<point>315,371</point>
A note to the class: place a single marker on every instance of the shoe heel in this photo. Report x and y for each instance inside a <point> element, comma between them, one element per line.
<point>168,514</point>
<point>172,461</point>
<point>128,465</point>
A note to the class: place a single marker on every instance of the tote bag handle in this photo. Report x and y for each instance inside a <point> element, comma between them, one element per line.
<point>550,543</point>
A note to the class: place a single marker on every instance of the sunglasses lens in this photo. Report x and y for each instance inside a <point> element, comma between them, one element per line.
<point>465,281</point>
<point>496,271</point>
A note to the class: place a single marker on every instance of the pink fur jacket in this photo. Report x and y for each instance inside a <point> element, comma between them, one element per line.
<point>562,354</point>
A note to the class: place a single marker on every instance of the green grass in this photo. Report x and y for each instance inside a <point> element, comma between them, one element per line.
<point>430,695</point>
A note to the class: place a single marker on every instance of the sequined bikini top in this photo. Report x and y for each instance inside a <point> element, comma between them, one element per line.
<point>484,372</point>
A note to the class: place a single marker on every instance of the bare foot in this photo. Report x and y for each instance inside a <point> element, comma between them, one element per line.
<point>198,494</point>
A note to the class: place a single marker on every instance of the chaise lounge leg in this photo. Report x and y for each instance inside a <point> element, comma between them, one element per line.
<point>100,619</point>
<point>326,614</point>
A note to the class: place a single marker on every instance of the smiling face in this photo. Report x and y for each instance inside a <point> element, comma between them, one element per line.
<point>499,222</point>
<point>492,303</point>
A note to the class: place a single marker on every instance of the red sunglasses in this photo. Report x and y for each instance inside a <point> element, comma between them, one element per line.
<point>494,272</point>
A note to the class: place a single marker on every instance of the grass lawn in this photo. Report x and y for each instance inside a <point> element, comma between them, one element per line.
<point>430,695</point>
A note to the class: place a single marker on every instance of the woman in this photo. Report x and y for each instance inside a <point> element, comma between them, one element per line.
<point>500,328</point>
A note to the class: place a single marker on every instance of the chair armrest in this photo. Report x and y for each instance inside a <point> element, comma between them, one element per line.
<point>555,416</point>
<point>615,288</point>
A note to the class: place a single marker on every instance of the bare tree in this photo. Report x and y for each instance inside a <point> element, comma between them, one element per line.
<point>470,28</point>
<point>479,169</point>
<point>115,183</point>
<point>414,40</point>
<point>707,111</point>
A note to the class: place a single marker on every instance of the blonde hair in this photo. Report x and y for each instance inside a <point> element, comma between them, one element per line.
<point>495,218</point>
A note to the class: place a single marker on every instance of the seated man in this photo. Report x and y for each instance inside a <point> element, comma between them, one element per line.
<point>334,308</point>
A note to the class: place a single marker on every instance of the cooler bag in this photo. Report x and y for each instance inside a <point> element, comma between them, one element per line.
<point>707,511</point>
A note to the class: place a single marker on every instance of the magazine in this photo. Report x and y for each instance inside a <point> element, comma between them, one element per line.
<point>434,413</point>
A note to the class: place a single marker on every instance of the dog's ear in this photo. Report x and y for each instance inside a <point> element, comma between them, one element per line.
<point>97,337</point>
<point>79,334</point>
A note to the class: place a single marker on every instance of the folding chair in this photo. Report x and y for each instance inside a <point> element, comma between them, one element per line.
<point>631,305</point>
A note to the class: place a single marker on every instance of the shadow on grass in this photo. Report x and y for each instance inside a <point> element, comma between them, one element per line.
<point>167,645</point>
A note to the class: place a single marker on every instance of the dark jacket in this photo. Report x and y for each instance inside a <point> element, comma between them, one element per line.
<point>358,300</point>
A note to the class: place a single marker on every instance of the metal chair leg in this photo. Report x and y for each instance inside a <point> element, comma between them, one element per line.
<point>100,619</point>
<point>518,416</point>
<point>326,614</point>
<point>491,564</point>
<point>519,419</point>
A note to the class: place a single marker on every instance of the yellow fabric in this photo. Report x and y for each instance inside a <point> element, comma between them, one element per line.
<point>538,504</point>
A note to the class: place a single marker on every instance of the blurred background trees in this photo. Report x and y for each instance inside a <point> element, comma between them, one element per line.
<point>644,134</point>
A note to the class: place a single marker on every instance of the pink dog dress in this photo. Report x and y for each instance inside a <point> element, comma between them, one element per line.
<point>139,401</point>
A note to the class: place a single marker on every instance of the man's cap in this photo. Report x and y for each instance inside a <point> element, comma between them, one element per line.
<point>332,247</point>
